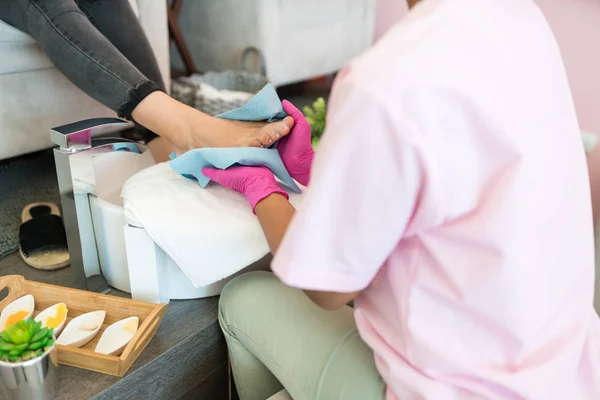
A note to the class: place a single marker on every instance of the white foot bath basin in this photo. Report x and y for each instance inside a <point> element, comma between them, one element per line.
<point>158,235</point>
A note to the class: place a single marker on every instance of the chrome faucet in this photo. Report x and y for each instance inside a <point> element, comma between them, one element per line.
<point>73,139</point>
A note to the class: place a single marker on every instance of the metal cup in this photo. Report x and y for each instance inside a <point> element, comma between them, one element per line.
<point>35,379</point>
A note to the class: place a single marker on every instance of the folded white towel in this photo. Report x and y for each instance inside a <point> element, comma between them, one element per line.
<point>210,233</point>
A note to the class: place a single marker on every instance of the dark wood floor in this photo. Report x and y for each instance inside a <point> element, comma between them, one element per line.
<point>14,265</point>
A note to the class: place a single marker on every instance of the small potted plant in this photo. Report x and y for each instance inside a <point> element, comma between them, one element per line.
<point>28,361</point>
<point>316,117</point>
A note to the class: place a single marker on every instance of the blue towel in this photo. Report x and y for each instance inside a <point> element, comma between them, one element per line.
<point>264,106</point>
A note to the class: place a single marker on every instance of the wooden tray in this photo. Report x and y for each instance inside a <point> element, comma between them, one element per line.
<point>80,302</point>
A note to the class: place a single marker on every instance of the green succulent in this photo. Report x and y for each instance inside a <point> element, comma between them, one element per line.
<point>316,117</point>
<point>25,340</point>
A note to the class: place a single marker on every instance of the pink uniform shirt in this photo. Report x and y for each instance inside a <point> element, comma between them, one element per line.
<point>451,188</point>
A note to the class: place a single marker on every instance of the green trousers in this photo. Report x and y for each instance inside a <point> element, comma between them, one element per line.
<point>278,338</point>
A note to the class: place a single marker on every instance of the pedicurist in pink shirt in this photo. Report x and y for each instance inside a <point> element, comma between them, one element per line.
<point>450,200</point>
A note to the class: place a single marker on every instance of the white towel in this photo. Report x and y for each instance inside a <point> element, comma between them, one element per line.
<point>210,233</point>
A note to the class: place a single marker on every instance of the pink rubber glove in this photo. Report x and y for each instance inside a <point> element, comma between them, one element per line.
<point>296,149</point>
<point>255,183</point>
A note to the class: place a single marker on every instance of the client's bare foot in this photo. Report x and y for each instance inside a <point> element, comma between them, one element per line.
<point>218,132</point>
<point>187,128</point>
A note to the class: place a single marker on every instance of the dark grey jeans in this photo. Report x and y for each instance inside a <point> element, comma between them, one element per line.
<point>98,44</point>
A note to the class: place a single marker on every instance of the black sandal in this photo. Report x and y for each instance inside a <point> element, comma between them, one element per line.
<point>42,237</point>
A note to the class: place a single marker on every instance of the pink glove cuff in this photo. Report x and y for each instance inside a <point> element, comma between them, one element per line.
<point>303,176</point>
<point>259,189</point>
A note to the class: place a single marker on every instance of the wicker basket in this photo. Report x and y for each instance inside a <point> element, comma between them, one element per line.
<point>216,92</point>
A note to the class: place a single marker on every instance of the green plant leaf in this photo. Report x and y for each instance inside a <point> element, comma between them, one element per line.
<point>36,345</point>
<point>7,346</point>
<point>308,112</point>
<point>319,105</point>
<point>315,142</point>
<point>17,341</point>
<point>20,333</point>
<point>316,116</point>
<point>19,349</point>
<point>41,334</point>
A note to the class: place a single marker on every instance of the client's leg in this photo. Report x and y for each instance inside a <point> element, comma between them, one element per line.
<point>277,337</point>
<point>96,66</point>
<point>116,20</point>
